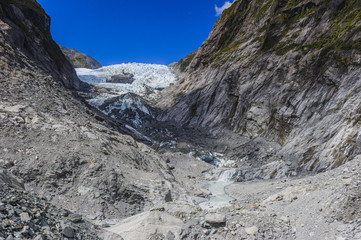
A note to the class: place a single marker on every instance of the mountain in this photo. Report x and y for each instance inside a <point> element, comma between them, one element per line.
<point>63,149</point>
<point>270,99</point>
<point>281,74</point>
<point>80,60</point>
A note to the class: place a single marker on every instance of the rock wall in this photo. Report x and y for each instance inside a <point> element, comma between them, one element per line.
<point>25,32</point>
<point>287,72</point>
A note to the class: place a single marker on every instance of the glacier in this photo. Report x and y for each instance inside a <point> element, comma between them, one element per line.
<point>149,79</point>
<point>127,100</point>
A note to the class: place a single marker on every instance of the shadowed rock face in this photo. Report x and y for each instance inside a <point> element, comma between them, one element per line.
<point>80,60</point>
<point>25,28</point>
<point>284,71</point>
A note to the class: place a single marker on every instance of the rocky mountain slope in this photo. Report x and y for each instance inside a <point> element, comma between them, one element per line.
<point>284,74</point>
<point>58,145</point>
<point>270,114</point>
<point>80,60</point>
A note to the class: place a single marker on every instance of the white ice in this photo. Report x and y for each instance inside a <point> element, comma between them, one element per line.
<point>148,78</point>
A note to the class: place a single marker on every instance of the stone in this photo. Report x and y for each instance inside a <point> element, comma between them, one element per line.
<point>168,197</point>
<point>75,218</point>
<point>158,208</point>
<point>170,236</point>
<point>68,231</point>
<point>251,230</point>
<point>25,217</point>
<point>347,182</point>
<point>215,218</point>
<point>38,237</point>
<point>237,207</point>
<point>285,219</point>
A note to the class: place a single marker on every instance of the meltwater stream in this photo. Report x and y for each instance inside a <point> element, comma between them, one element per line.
<point>219,197</point>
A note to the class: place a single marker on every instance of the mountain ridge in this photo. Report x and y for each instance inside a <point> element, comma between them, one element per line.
<point>80,60</point>
<point>274,71</point>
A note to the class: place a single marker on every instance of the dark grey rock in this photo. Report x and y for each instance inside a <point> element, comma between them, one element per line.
<point>170,236</point>
<point>75,218</point>
<point>168,197</point>
<point>68,232</point>
<point>122,78</point>
<point>44,52</point>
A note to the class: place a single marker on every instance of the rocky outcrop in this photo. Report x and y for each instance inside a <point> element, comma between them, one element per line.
<point>80,60</point>
<point>25,33</point>
<point>282,72</point>
<point>124,77</point>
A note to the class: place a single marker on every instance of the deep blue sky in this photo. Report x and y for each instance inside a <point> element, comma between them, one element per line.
<point>116,31</point>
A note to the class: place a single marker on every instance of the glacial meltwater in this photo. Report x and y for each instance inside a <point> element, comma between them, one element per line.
<point>219,197</point>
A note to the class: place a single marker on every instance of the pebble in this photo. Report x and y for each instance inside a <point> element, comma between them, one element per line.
<point>285,219</point>
<point>25,217</point>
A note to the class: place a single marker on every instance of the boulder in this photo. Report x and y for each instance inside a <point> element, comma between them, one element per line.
<point>215,219</point>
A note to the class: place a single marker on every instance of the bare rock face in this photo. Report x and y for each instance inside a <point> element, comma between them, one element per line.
<point>282,72</point>
<point>80,60</point>
<point>25,32</point>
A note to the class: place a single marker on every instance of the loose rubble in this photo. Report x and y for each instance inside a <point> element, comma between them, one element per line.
<point>25,216</point>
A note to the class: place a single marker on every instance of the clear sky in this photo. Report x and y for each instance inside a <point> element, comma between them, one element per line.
<point>146,31</point>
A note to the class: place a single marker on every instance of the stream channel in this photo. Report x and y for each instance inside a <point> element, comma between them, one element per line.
<point>219,198</point>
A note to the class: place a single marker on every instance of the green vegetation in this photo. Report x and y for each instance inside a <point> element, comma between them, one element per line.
<point>344,28</point>
<point>344,22</point>
<point>293,3</point>
<point>264,8</point>
<point>275,34</point>
<point>228,49</point>
<point>80,60</point>
<point>227,12</point>
<point>184,63</point>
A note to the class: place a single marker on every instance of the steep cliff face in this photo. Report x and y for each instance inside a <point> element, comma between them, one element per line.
<point>25,32</point>
<point>80,60</point>
<point>287,72</point>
